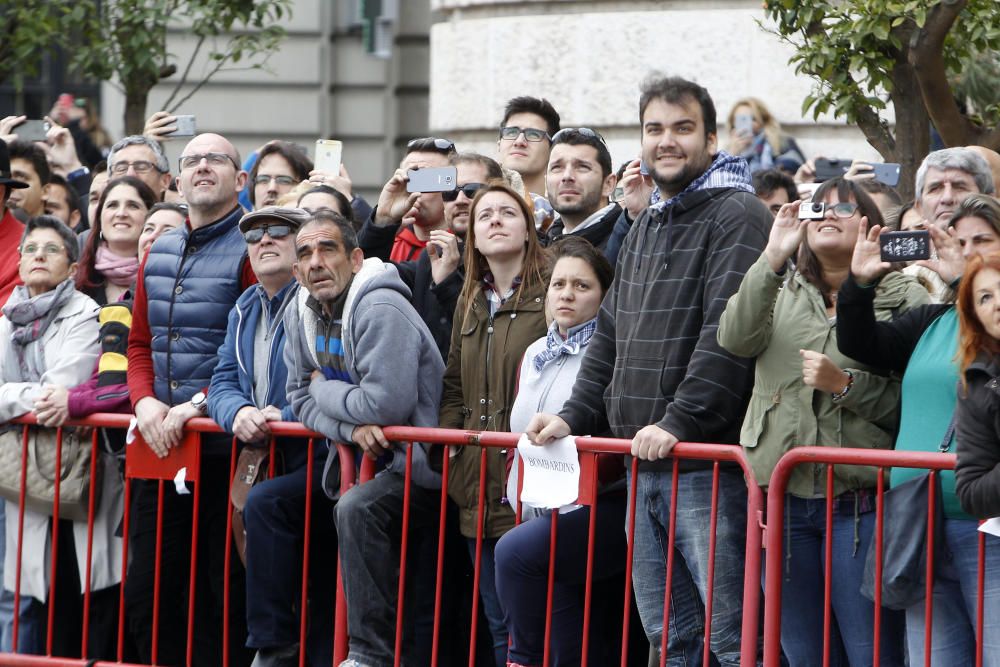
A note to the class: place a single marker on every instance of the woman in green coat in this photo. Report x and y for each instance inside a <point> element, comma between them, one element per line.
<point>807,393</point>
<point>500,312</point>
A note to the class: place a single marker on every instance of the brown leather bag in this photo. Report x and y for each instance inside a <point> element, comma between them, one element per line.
<point>251,468</point>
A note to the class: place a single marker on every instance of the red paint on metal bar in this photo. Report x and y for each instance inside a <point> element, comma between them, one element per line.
<point>307,531</point>
<point>20,535</point>
<point>192,591</point>
<point>228,556</point>
<point>345,454</point>
<point>828,568</point>
<point>479,556</point>
<point>57,479</point>
<point>554,523</point>
<point>121,589</point>
<point>404,544</point>
<point>439,577</point>
<point>629,553</point>
<point>713,521</point>
<point>91,506</point>
<point>668,576</point>
<point>588,585</point>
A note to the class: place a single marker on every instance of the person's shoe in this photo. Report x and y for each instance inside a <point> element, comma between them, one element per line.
<point>350,662</point>
<point>283,656</point>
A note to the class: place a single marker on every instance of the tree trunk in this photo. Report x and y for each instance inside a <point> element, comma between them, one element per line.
<point>912,127</point>
<point>135,110</point>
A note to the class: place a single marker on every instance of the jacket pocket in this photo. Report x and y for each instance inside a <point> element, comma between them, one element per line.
<point>759,413</point>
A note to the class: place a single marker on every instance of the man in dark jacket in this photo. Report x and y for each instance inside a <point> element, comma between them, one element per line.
<point>247,392</point>
<point>655,373</point>
<point>579,181</point>
<point>187,284</point>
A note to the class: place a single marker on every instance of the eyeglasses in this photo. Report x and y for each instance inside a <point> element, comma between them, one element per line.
<point>214,159</point>
<point>139,166</point>
<point>255,234</point>
<point>512,132</point>
<point>469,190</point>
<point>567,132</point>
<point>440,144</point>
<point>49,249</point>
<point>264,179</point>
<point>843,209</point>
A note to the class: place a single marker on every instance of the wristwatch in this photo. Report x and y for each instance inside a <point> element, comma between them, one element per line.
<point>200,402</point>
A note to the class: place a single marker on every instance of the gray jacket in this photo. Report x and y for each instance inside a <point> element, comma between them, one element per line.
<point>395,367</point>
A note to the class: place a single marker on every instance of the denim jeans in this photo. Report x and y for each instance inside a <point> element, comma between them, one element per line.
<point>522,559</point>
<point>31,624</point>
<point>852,636</point>
<point>953,639</point>
<point>689,584</point>
<point>369,521</point>
<point>488,596</point>
<point>274,518</point>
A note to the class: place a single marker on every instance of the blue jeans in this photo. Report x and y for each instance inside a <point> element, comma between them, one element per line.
<point>953,640</point>
<point>488,596</point>
<point>31,625</point>
<point>274,518</point>
<point>369,527</point>
<point>852,636</point>
<point>522,563</point>
<point>690,575</point>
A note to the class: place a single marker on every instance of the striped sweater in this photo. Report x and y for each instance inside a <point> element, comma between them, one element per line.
<point>654,358</point>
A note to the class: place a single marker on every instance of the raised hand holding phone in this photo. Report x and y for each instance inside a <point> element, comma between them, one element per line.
<point>786,236</point>
<point>867,266</point>
<point>636,189</point>
<point>948,262</point>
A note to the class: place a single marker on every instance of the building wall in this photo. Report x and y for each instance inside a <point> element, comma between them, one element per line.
<point>320,84</point>
<point>588,57</point>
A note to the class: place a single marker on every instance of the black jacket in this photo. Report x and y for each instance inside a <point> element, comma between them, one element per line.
<point>654,358</point>
<point>435,303</point>
<point>597,233</point>
<point>977,439</point>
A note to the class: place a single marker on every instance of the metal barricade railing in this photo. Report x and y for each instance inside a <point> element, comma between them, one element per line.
<point>142,464</point>
<point>775,540</point>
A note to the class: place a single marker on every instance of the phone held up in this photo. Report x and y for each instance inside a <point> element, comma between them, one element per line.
<point>33,130</point>
<point>432,179</point>
<point>905,246</point>
<point>329,153</point>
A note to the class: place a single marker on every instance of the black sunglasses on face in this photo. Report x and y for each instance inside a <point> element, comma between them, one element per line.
<point>255,234</point>
<point>469,190</point>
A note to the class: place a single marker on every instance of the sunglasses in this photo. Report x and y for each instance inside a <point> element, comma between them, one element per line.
<point>469,190</point>
<point>255,234</point>
<point>568,132</point>
<point>440,144</point>
<point>512,132</point>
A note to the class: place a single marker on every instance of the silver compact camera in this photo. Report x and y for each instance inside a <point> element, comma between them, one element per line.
<point>812,210</point>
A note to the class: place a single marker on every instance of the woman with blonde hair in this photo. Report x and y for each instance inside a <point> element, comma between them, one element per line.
<point>756,136</point>
<point>500,313</point>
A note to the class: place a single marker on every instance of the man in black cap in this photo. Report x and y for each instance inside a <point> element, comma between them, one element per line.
<point>11,229</point>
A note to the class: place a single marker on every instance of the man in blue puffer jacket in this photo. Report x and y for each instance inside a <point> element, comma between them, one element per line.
<point>247,392</point>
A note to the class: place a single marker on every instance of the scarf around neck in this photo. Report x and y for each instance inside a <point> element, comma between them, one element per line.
<point>31,317</point>
<point>556,346</point>
<point>118,270</point>
<point>726,171</point>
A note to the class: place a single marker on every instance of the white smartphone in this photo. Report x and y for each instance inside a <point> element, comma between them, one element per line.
<point>328,153</point>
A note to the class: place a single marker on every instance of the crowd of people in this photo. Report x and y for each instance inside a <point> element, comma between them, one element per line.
<point>685,297</point>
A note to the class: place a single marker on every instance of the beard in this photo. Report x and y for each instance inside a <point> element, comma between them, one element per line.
<point>586,205</point>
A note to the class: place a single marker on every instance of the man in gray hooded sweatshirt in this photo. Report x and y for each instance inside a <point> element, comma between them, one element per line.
<point>359,356</point>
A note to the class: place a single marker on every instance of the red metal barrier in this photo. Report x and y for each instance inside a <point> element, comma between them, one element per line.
<point>832,456</point>
<point>141,463</point>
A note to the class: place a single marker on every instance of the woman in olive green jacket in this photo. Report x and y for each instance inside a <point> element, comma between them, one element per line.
<point>807,393</point>
<point>500,312</point>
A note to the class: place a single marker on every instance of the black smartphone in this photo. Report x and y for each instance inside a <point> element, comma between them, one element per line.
<point>33,130</point>
<point>827,168</point>
<point>432,179</point>
<point>887,173</point>
<point>905,246</point>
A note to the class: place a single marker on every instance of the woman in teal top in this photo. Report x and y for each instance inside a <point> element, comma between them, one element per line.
<point>922,345</point>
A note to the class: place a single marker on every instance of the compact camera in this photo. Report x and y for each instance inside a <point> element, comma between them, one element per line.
<point>812,210</point>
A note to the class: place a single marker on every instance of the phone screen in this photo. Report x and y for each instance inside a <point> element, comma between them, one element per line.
<point>328,155</point>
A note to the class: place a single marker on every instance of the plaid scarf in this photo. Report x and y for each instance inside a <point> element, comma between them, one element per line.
<point>30,317</point>
<point>726,171</point>
<point>556,346</point>
<point>493,296</point>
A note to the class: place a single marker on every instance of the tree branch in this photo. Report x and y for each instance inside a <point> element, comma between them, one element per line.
<point>926,56</point>
<point>184,76</point>
<point>197,87</point>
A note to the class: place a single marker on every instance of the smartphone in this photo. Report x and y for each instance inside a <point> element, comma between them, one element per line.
<point>812,210</point>
<point>33,130</point>
<point>433,179</point>
<point>643,168</point>
<point>743,124</point>
<point>905,246</point>
<point>328,155</point>
<point>827,168</point>
<point>887,173</point>
<point>186,126</point>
